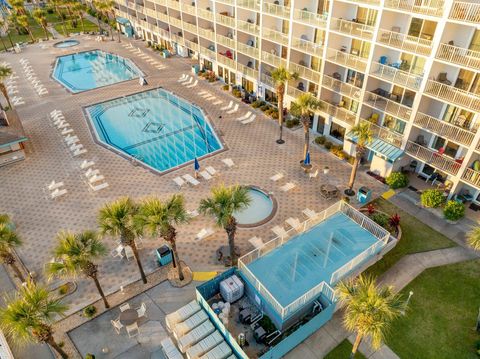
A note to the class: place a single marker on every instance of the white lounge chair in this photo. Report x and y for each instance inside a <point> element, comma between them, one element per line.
<point>80,152</point>
<point>277,177</point>
<point>217,102</point>
<point>66,131</point>
<point>211,170</point>
<point>117,252</point>
<point>179,182</point>
<point>288,186</point>
<point>294,223</point>
<point>86,164</point>
<point>54,112</point>
<point>249,120</point>
<point>205,175</point>
<point>71,139</point>
<point>196,335</point>
<point>76,147</point>
<point>190,324</point>
<point>63,125</point>
<point>182,78</point>
<point>169,350</point>
<point>96,178</point>
<point>245,116</point>
<point>313,174</point>
<point>309,213</point>
<point>58,193</point>
<point>54,185</point>
<point>99,187</point>
<point>234,109</point>
<point>189,178</point>
<point>128,252</point>
<point>204,233</point>
<point>230,104</point>
<point>256,242</point>
<point>91,172</point>
<point>190,80</point>
<point>228,162</point>
<point>181,314</point>
<point>280,231</point>
<point>193,85</point>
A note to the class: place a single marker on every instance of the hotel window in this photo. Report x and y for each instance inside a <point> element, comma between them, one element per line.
<point>458,116</point>
<point>424,29</point>
<point>360,48</point>
<point>366,16</point>
<point>337,131</point>
<point>320,124</point>
<point>475,43</point>
<point>394,124</point>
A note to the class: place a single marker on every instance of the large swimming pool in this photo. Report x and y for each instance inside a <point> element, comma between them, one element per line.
<point>88,70</point>
<point>155,127</point>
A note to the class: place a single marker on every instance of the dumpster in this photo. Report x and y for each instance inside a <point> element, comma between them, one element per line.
<point>164,255</point>
<point>364,194</point>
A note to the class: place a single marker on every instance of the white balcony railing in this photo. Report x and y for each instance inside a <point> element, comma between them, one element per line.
<point>273,60</point>
<point>246,26</point>
<point>305,72</point>
<point>207,33</point>
<point>227,61</point>
<point>249,4</point>
<point>341,87</point>
<point>368,2</point>
<point>433,158</point>
<point>173,4</point>
<point>453,95</point>
<point>385,134</point>
<point>267,80</point>
<point>190,27</point>
<point>205,14</point>
<point>339,113</point>
<point>405,42</point>
<point>391,107</point>
<point>276,10</point>
<point>352,28</point>
<point>248,71</point>
<point>424,7</point>
<point>189,9</point>
<point>178,39</point>
<point>276,36</point>
<point>208,53</point>
<point>459,56</point>
<point>471,176</point>
<point>247,50</point>
<point>345,59</point>
<point>150,12</point>
<point>307,46</point>
<point>162,17</point>
<point>310,18</point>
<point>397,76</point>
<point>466,11</point>
<point>226,20</point>
<point>192,45</point>
<point>226,41</point>
<point>175,22</point>
<point>160,2</point>
<point>444,129</point>
<point>294,92</point>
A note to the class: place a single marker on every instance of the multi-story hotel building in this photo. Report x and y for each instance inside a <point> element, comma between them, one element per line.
<point>411,67</point>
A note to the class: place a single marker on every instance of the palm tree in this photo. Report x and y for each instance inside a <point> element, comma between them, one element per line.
<point>281,76</point>
<point>160,218</point>
<point>4,73</point>
<point>106,7</point>
<point>303,107</point>
<point>78,10</point>
<point>75,253</point>
<point>222,205</point>
<point>29,314</point>
<point>116,219</point>
<point>473,238</point>
<point>9,240</point>
<point>363,134</point>
<point>97,4</point>
<point>23,22</point>
<point>8,20</point>
<point>369,310</point>
<point>18,6</point>
<point>2,25</point>
<point>58,6</point>
<point>41,17</point>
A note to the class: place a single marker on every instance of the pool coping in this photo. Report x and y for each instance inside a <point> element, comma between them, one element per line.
<point>67,40</point>
<point>132,159</point>
<point>269,217</point>
<point>54,65</point>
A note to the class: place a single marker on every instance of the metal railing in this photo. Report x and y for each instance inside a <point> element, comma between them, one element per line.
<point>247,50</point>
<point>400,77</point>
<point>294,92</point>
<point>305,72</point>
<point>452,94</point>
<point>276,10</point>
<point>178,39</point>
<point>246,26</point>
<point>368,2</point>
<point>459,56</point>
<point>276,36</point>
<point>273,60</point>
<point>352,28</point>
<point>175,22</point>
<point>391,107</point>
<point>173,4</point>
<point>248,71</point>
<point>345,59</point>
<point>339,113</point>
<point>206,33</point>
<point>189,9</point>
<point>227,61</point>
<point>471,176</point>
<point>205,14</point>
<point>432,158</point>
<point>229,2</point>
<point>249,4</point>
<point>190,27</point>
<point>465,11</point>
<point>192,45</point>
<point>226,41</point>
<point>341,87</point>
<point>160,2</point>
<point>307,46</point>
<point>405,42</point>
<point>385,133</point>
<point>425,7</point>
<point>310,18</point>
<point>162,16</point>
<point>212,55</point>
<point>444,129</point>
<point>150,12</point>
<point>226,20</point>
<point>267,80</point>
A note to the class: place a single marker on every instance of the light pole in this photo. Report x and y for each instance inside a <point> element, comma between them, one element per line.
<point>407,301</point>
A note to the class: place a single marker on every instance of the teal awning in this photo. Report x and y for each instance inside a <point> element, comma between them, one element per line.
<point>123,21</point>
<point>8,139</point>
<point>381,148</point>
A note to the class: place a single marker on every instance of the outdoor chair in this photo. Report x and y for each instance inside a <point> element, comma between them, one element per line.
<point>116,325</point>
<point>117,252</point>
<point>142,310</point>
<point>132,330</point>
<point>442,78</point>
<point>129,252</point>
<point>124,307</point>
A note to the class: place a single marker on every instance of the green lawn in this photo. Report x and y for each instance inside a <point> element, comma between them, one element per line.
<point>36,29</point>
<point>342,351</point>
<point>416,237</point>
<point>440,322</point>
<point>89,26</point>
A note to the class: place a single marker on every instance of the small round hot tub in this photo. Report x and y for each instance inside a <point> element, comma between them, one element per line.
<point>66,43</point>
<point>261,209</point>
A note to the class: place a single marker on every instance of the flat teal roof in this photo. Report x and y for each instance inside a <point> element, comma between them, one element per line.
<point>381,148</point>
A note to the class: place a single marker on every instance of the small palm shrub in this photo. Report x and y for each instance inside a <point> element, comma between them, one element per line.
<point>432,198</point>
<point>89,311</point>
<point>292,122</point>
<point>454,210</point>
<point>320,140</point>
<point>397,180</point>
<point>258,103</point>
<point>380,218</point>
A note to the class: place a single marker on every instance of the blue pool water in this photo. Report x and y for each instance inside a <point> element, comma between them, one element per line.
<point>261,207</point>
<point>311,257</point>
<point>156,127</point>
<point>66,43</point>
<point>92,69</point>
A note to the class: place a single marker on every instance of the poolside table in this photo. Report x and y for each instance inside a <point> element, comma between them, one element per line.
<point>328,191</point>
<point>128,317</point>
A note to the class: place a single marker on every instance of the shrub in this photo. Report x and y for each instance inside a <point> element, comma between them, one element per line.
<point>394,220</point>
<point>397,180</point>
<point>225,87</point>
<point>380,218</point>
<point>89,311</point>
<point>454,210</point>
<point>63,289</point>
<point>432,198</point>
<point>371,209</point>
<point>264,107</point>
<point>258,103</point>
<point>236,93</point>
<point>328,145</point>
<point>274,114</point>
<point>51,11</point>
<point>89,356</point>
<point>320,140</point>
<point>292,122</point>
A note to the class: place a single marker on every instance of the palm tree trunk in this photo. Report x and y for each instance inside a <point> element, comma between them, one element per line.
<point>358,339</point>
<point>139,263</point>
<point>306,130</point>
<point>57,348</point>
<point>5,94</point>
<point>4,46</point>
<point>100,291</point>
<point>30,33</point>
<point>46,32</point>
<point>9,259</point>
<point>177,260</point>
<point>82,23</point>
<point>280,117</point>
<point>231,229</point>
<point>10,38</point>
<point>353,174</point>
<point>17,271</point>
<point>98,21</point>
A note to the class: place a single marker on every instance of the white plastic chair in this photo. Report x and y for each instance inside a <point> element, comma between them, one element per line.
<point>129,252</point>
<point>142,310</point>
<point>132,330</point>
<point>117,325</point>
<point>124,307</point>
<point>117,252</point>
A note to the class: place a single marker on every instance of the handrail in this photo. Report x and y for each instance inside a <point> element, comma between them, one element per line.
<point>248,50</point>
<point>173,4</point>
<point>352,28</point>
<point>341,87</point>
<point>310,18</point>
<point>398,76</point>
<point>305,72</point>
<point>273,59</point>
<point>276,10</point>
<point>207,52</point>
<point>339,113</point>
<point>444,129</point>
<point>471,176</point>
<point>433,158</point>
<point>275,35</point>
<point>267,80</point>
<point>206,33</point>
<point>307,46</point>
<point>425,7</point>
<point>248,71</point>
<point>226,20</point>
<point>248,27</point>
<point>452,94</point>
<point>204,13</point>
<point>459,56</point>
<point>382,103</point>
<point>465,11</point>
<point>385,133</point>
<point>349,60</point>
<point>226,41</point>
<point>249,4</point>
<point>405,42</point>
<point>227,61</point>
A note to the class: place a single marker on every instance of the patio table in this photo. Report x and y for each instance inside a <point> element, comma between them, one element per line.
<point>328,191</point>
<point>128,317</point>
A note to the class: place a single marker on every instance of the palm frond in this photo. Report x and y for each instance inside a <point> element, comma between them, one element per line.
<point>473,238</point>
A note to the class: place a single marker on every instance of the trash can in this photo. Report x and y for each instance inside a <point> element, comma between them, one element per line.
<point>364,194</point>
<point>195,69</point>
<point>164,255</point>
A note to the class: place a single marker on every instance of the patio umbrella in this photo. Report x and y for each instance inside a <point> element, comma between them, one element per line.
<point>196,165</point>
<point>307,159</point>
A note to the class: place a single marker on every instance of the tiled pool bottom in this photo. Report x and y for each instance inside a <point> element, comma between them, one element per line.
<point>311,257</point>
<point>155,127</point>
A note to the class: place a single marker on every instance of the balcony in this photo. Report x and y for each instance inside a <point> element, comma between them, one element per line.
<point>192,45</point>
<point>433,158</point>
<point>248,27</point>
<point>339,113</point>
<point>178,39</point>
<point>249,4</point>
<point>190,27</point>
<point>453,95</point>
<point>471,176</point>
<point>175,22</point>
<point>205,14</point>
<point>310,18</point>
<point>367,2</point>
<point>162,17</point>
<point>208,53</point>
<point>276,10</point>
<point>465,11</point>
<point>341,87</point>
<point>305,72</point>
<point>150,12</point>
<point>248,71</point>
<point>273,60</point>
<point>352,28</point>
<point>348,60</point>
<point>206,33</point>
<point>227,61</point>
<point>160,2</point>
<point>173,4</point>
<point>226,41</point>
<point>424,7</point>
<point>267,80</point>
<point>307,46</point>
<point>385,134</point>
<point>226,20</point>
<point>405,42</point>
<point>459,56</point>
<point>384,104</point>
<point>189,9</point>
<point>444,129</point>
<point>228,2</point>
<point>247,50</point>
<point>277,36</point>
<point>396,76</point>
<point>294,92</point>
